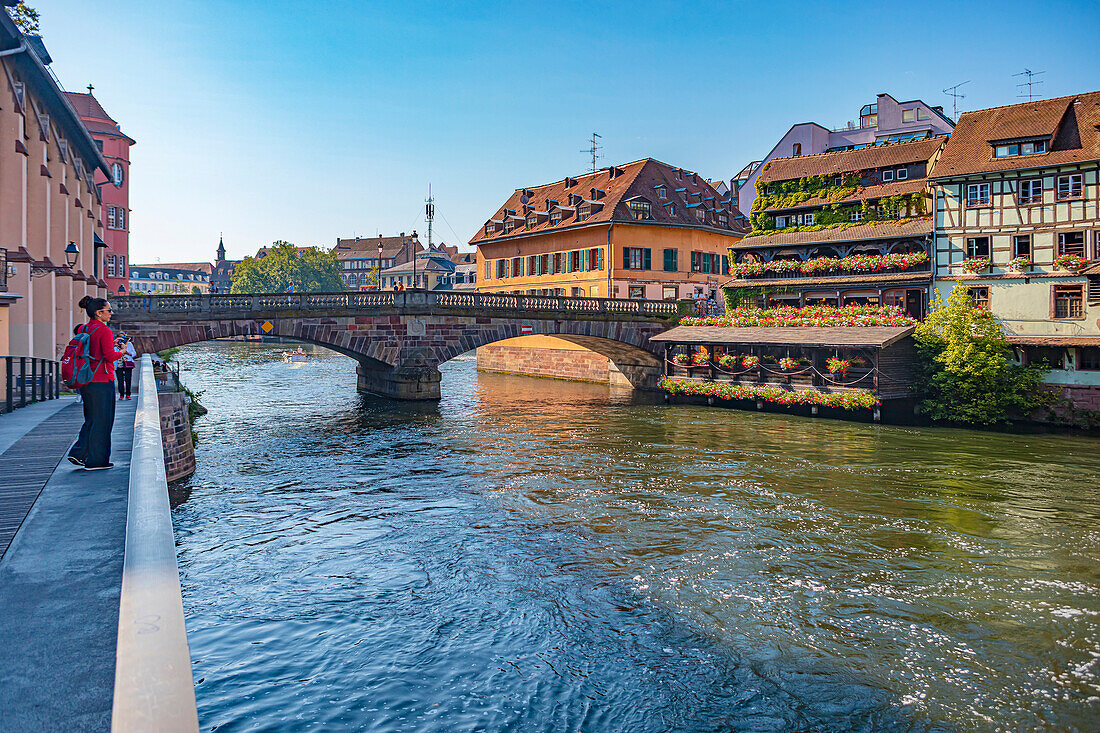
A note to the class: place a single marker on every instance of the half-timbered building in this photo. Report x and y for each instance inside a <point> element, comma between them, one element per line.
<point>842,228</point>
<point>1017,224</point>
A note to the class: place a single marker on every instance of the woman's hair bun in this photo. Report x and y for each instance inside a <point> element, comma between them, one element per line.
<point>84,302</point>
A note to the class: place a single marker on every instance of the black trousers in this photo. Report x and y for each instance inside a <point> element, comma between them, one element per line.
<point>93,445</point>
<point>124,375</point>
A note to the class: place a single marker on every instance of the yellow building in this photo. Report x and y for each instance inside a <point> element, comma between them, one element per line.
<point>643,230</point>
<point>50,226</point>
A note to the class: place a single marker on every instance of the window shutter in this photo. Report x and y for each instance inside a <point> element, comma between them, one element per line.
<point>694,261</point>
<point>626,258</point>
<point>599,258</point>
<point>648,258</point>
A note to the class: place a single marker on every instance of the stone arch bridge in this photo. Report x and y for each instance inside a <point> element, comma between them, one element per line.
<point>401,338</point>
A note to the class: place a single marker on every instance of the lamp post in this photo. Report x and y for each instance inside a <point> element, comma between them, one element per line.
<point>71,255</point>
<point>378,278</point>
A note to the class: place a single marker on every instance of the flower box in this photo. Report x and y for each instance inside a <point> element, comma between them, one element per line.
<point>975,265</point>
<point>1071,263</point>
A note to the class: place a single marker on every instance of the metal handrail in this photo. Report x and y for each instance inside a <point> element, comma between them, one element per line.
<point>388,300</point>
<point>28,379</point>
<point>154,688</point>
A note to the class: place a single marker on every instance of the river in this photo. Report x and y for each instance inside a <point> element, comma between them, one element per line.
<point>537,555</point>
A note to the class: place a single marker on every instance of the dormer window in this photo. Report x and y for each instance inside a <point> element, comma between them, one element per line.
<point>887,176</point>
<point>662,191</point>
<point>555,216</point>
<point>700,213</point>
<point>584,211</point>
<point>639,209</point>
<point>509,225</point>
<point>670,208</point>
<point>796,150</point>
<point>1009,150</point>
<point>531,220</point>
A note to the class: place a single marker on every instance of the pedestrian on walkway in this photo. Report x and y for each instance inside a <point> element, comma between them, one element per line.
<point>92,448</point>
<point>124,370</point>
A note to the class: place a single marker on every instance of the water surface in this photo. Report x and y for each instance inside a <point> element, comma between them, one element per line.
<point>534,555</point>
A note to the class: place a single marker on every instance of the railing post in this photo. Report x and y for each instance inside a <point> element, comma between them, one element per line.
<point>9,387</point>
<point>22,381</point>
<point>34,379</point>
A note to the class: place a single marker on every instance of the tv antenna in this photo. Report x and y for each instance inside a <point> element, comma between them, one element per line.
<point>953,92</point>
<point>1030,83</point>
<point>592,150</point>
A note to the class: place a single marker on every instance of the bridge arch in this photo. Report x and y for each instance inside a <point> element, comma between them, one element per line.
<point>400,339</point>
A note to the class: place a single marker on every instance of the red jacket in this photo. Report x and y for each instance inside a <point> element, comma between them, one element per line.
<point>101,346</point>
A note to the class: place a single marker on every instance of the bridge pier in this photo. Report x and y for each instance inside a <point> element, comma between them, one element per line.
<point>416,378</point>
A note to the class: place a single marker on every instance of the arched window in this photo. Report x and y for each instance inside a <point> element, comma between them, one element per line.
<point>796,149</point>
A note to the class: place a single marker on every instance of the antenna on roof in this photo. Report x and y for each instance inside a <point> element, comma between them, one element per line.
<point>592,150</point>
<point>953,92</point>
<point>1029,92</point>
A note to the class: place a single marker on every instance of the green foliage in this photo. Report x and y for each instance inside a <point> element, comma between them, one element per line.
<point>25,17</point>
<point>965,370</point>
<point>792,193</point>
<point>195,290</point>
<point>168,354</point>
<point>312,272</point>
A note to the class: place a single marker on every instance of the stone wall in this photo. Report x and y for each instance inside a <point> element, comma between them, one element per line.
<point>553,358</point>
<point>175,431</point>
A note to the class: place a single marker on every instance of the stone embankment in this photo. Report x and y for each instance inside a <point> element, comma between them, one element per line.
<point>175,425</point>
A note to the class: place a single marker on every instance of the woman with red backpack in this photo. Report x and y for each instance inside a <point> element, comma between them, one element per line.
<point>92,448</point>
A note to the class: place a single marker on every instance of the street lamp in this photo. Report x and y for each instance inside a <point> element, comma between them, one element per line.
<point>378,279</point>
<point>71,255</point>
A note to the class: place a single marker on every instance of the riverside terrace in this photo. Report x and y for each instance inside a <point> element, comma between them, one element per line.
<point>401,338</point>
<point>845,370</point>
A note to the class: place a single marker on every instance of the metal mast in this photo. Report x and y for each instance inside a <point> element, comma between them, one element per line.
<point>591,150</point>
<point>953,92</point>
<point>429,214</point>
<point>1029,93</point>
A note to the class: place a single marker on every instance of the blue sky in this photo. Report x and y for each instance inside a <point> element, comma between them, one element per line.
<point>307,121</point>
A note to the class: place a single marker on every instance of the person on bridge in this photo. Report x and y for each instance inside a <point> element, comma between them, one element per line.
<point>92,448</point>
<point>124,370</point>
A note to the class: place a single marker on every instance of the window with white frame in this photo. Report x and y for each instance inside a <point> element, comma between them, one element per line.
<point>780,222</point>
<point>887,176</point>
<point>1071,243</point>
<point>855,216</point>
<point>901,174</point>
<point>1009,150</point>
<point>977,247</point>
<point>909,115</point>
<point>1071,186</point>
<point>808,219</point>
<point>977,194</point>
<point>111,216</point>
<point>1030,191</point>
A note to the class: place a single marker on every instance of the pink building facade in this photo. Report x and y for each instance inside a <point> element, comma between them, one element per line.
<point>115,147</point>
<point>885,121</point>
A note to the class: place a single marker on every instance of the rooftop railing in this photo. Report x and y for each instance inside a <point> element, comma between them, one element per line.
<point>26,379</point>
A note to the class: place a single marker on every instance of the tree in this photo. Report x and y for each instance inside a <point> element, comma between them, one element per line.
<point>25,17</point>
<point>312,271</point>
<point>966,372</point>
<point>195,290</point>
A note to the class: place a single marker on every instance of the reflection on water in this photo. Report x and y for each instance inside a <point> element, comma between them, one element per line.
<point>541,555</point>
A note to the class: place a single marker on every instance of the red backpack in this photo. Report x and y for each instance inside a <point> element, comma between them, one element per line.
<point>76,364</point>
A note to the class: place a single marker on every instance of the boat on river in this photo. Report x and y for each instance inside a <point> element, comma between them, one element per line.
<point>295,357</point>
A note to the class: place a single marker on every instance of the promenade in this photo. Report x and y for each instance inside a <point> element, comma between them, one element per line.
<point>62,533</point>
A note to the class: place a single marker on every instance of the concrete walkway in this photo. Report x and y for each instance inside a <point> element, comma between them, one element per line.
<point>60,578</point>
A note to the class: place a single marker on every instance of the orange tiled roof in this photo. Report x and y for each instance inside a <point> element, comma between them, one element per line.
<point>873,230</point>
<point>638,179</point>
<point>1070,124</point>
<point>850,161</point>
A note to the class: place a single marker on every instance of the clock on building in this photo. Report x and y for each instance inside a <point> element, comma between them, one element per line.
<point>117,174</point>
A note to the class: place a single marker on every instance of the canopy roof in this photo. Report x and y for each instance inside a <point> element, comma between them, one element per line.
<point>858,336</point>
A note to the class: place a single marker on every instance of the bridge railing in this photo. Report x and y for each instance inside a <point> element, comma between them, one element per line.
<point>367,301</point>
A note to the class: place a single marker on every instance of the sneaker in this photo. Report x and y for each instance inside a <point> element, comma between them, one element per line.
<point>75,461</point>
<point>99,468</point>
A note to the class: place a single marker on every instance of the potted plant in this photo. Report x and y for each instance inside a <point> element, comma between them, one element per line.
<point>788,364</point>
<point>750,362</point>
<point>727,360</point>
<point>701,357</point>
<point>1020,264</point>
<point>836,366</point>
<point>681,359</point>
<point>1070,263</point>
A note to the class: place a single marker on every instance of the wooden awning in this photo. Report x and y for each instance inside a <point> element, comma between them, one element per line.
<point>847,336</point>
